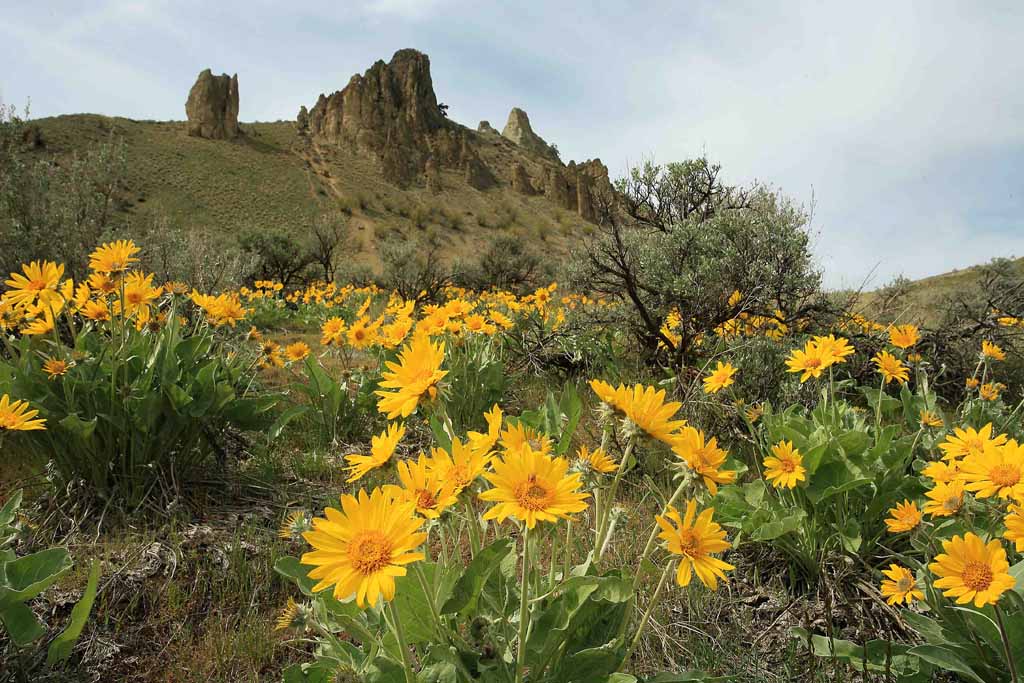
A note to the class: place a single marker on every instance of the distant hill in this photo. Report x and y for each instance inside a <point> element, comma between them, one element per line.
<point>381,149</point>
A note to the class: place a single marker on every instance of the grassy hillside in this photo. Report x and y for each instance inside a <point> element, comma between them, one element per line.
<point>274,178</point>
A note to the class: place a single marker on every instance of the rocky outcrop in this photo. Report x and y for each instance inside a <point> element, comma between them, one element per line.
<point>519,131</point>
<point>474,170</point>
<point>486,127</point>
<point>302,120</point>
<point>212,107</point>
<point>521,180</point>
<point>433,176</point>
<point>390,111</point>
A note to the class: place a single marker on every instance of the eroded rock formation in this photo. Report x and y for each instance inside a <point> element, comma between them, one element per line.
<point>212,107</point>
<point>519,131</point>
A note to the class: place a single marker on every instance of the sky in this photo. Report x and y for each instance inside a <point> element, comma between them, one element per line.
<point>900,123</point>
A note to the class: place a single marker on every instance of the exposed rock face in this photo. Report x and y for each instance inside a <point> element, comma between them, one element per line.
<point>486,127</point>
<point>433,176</point>
<point>302,120</point>
<point>390,111</point>
<point>475,170</point>
<point>521,180</point>
<point>518,130</point>
<point>212,107</point>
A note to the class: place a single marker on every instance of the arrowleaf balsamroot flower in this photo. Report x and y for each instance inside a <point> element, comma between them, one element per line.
<point>810,360</point>
<point>416,374</point>
<point>964,442</point>
<point>1015,526</point>
<point>904,517</point>
<point>927,418</point>
<point>485,442</point>
<point>517,437</point>
<point>903,336</point>
<point>720,378</point>
<point>16,416</point>
<point>296,351</point>
<point>945,500</point>
<point>55,367</point>
<point>834,349</point>
<point>382,447</point>
<point>113,257</point>
<point>784,468</point>
<point>596,460</point>
<point>703,457</point>
<point>969,570</point>
<point>993,351</point>
<point>362,548</point>
<point>644,407</point>
<point>38,284</point>
<point>890,367</point>
<point>695,538</point>
<point>997,471</point>
<point>460,468</point>
<point>531,487</point>
<point>422,486</point>
<point>900,586</point>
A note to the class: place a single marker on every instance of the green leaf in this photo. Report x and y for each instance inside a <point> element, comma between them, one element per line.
<point>291,568</point>
<point>60,648</point>
<point>21,624</point>
<point>286,417</point>
<point>30,575</point>
<point>77,427</point>
<point>316,672</point>
<point>10,509</point>
<point>945,659</point>
<point>467,589</point>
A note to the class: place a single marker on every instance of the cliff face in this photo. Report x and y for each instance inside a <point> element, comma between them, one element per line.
<point>391,113</point>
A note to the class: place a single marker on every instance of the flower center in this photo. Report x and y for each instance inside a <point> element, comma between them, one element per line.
<point>905,584</point>
<point>533,495</point>
<point>8,420</point>
<point>688,543</point>
<point>787,465</point>
<point>369,552</point>
<point>425,499</point>
<point>1004,475</point>
<point>951,504</point>
<point>977,576</point>
<point>37,285</point>
<point>813,363</point>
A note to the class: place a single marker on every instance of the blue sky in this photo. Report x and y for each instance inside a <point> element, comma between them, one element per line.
<point>902,122</point>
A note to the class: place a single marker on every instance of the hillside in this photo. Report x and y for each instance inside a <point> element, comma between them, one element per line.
<point>461,185</point>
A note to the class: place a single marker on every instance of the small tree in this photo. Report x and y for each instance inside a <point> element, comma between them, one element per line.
<point>278,255</point>
<point>414,267</point>
<point>676,238</point>
<point>330,235</point>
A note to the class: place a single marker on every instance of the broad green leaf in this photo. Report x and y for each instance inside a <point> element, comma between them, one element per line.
<point>945,659</point>
<point>60,648</point>
<point>30,575</point>
<point>471,582</point>
<point>21,624</point>
<point>10,509</point>
<point>291,568</point>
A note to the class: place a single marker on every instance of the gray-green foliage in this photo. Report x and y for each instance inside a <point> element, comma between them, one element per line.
<point>678,238</point>
<point>54,208</point>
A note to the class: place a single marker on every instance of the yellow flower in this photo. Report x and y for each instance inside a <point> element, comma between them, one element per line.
<point>460,468</point>
<point>1015,526</point>
<point>720,378</point>
<point>785,468</point>
<point>531,487</point>
<point>55,367</point>
<point>16,416</point>
<point>964,442</point>
<point>362,548</point>
<point>833,349</point>
<point>901,586</point>
<point>904,517</point>
<point>293,526</point>
<point>644,408</point>
<point>484,443</point>
<point>333,332</point>
<point>703,457</point>
<point>914,358</point>
<point>970,570</point>
<point>945,499</point>
<point>695,539</point>
<point>362,333</point>
<point>990,391</point>
<point>997,471</point>
<point>139,292</point>
<point>810,360</point>
<point>596,460</point>
<point>37,284</point>
<point>416,373</point>
<point>755,412</point>
<point>297,351</point>
<point>39,326</point>
<point>930,419</point>
<point>942,472</point>
<point>972,382</point>
<point>890,367</point>
<point>382,447</point>
<point>422,486</point>
<point>517,436</point>
<point>287,616</point>
<point>990,350</point>
<point>113,257</point>
<point>96,310</point>
<point>903,336</point>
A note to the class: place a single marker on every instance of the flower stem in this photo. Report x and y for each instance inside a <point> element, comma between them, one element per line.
<point>654,534</point>
<point>524,607</point>
<point>647,614</point>
<point>410,677</point>
<point>602,529</point>
<point>1006,644</point>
